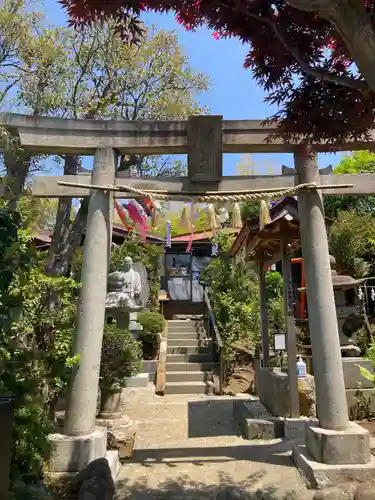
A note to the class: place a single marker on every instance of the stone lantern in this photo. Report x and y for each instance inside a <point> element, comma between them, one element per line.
<point>350,317</point>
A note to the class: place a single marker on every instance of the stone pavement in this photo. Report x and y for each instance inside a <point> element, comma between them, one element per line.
<point>189,447</point>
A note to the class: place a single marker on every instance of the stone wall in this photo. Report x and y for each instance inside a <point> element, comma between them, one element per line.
<point>273,392</point>
<point>150,367</point>
<point>360,392</point>
<point>272,389</point>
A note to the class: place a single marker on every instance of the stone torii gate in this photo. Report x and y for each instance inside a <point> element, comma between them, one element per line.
<point>204,139</point>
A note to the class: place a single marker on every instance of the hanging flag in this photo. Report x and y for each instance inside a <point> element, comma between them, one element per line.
<point>168,237</point>
<point>147,205</point>
<point>135,213</point>
<point>190,244</point>
<point>123,217</point>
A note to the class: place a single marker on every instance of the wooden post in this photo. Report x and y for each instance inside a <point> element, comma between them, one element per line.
<point>263,314</point>
<point>290,333</point>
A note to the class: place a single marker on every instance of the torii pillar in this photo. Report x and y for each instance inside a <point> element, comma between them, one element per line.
<point>337,441</point>
<point>83,395</point>
<point>82,441</point>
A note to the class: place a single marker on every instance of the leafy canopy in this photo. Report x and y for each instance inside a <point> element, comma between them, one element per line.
<point>311,56</point>
<point>352,243</point>
<point>234,295</point>
<point>360,162</point>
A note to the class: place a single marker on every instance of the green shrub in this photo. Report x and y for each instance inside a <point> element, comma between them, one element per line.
<point>235,300</point>
<point>152,322</point>
<point>371,356</point>
<point>121,356</point>
<point>35,345</point>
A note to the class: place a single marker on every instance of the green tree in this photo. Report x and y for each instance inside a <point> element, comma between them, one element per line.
<point>352,243</point>
<point>24,53</point>
<point>41,212</point>
<point>234,292</point>
<point>18,27</point>
<point>360,162</point>
<point>105,78</point>
<point>200,224</point>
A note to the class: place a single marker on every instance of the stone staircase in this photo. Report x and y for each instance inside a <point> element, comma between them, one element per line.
<point>189,358</point>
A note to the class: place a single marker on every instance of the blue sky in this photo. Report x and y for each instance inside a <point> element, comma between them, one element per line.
<point>233,95</point>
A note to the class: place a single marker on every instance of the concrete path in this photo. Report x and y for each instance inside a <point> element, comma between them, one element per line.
<point>189,447</point>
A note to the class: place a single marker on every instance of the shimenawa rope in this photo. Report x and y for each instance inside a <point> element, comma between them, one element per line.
<point>221,197</point>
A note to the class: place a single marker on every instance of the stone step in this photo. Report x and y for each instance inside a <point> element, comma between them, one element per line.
<point>181,322</point>
<point>196,376</point>
<point>185,388</point>
<point>187,317</point>
<point>181,329</point>
<point>256,422</point>
<point>187,349</point>
<point>185,335</point>
<point>187,358</point>
<point>190,367</point>
<point>173,342</point>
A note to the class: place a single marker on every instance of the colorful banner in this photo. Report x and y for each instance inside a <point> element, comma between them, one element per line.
<point>123,217</point>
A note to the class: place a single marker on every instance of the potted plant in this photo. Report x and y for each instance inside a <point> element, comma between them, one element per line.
<point>121,358</point>
<point>153,324</point>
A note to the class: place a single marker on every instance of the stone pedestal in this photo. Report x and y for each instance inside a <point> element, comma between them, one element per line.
<point>134,326</point>
<point>330,456</point>
<point>320,475</point>
<point>350,446</point>
<point>74,453</point>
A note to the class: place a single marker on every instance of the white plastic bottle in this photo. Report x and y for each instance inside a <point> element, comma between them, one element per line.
<point>301,368</point>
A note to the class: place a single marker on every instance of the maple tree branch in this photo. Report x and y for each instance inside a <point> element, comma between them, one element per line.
<point>313,5</point>
<point>323,74</point>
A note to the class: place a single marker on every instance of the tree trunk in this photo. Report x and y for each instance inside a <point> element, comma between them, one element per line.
<point>67,236</point>
<point>17,164</point>
<point>354,26</point>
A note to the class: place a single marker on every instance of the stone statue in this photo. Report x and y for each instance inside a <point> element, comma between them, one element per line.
<point>128,289</point>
